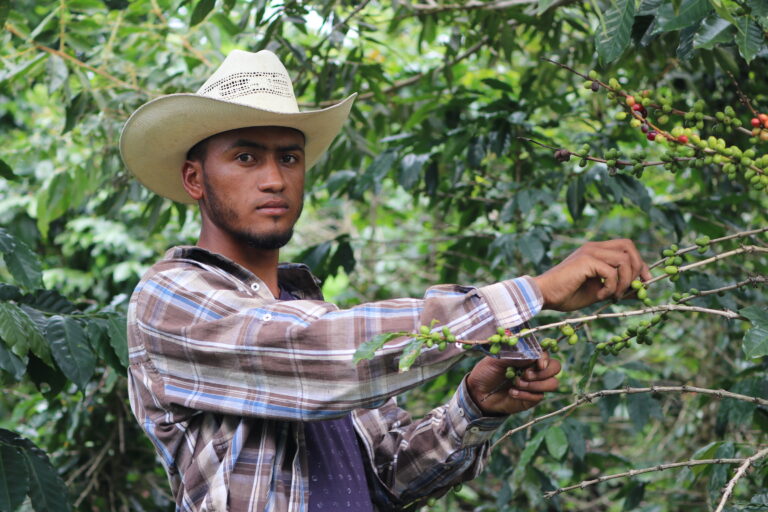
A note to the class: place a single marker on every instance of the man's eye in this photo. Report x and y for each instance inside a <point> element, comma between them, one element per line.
<point>290,159</point>
<point>245,157</point>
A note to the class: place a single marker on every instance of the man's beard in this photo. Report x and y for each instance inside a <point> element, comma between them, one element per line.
<point>224,217</point>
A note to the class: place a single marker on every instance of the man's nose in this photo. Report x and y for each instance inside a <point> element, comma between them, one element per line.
<point>271,178</point>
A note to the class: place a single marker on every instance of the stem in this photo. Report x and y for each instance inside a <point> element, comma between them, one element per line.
<point>633,472</point>
<point>13,30</point>
<point>742,234</point>
<point>623,314</point>
<point>749,280</point>
<point>603,160</point>
<point>720,393</point>
<point>717,257</point>
<point>471,5</point>
<point>739,473</point>
<point>622,93</point>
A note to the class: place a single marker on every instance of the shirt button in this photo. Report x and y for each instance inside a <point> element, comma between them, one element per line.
<point>474,430</point>
<point>255,287</point>
<point>267,317</point>
<point>461,412</point>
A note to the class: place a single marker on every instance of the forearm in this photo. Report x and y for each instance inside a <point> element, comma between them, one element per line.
<point>293,360</point>
<point>415,460</point>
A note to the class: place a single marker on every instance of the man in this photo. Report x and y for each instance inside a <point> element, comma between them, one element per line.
<point>243,377</point>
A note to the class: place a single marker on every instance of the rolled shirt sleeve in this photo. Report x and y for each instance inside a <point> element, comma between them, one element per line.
<point>204,342</point>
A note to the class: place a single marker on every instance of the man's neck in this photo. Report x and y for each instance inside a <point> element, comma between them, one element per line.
<point>262,262</point>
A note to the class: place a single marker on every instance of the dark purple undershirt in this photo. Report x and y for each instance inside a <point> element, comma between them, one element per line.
<point>336,472</point>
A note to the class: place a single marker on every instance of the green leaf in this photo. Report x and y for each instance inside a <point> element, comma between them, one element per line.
<point>14,478</point>
<point>587,372</point>
<point>755,342</point>
<point>118,337</point>
<point>690,13</point>
<point>613,36</point>
<point>57,73</point>
<point>411,351</point>
<point>70,349</point>
<point>12,364</point>
<point>531,447</point>
<point>5,8</point>
<point>723,11</point>
<point>749,38</point>
<point>46,489</point>
<point>685,47</point>
<point>368,349</point>
<point>639,406</point>
<point>410,170</point>
<point>557,442</point>
<point>201,10</point>
<point>20,332</point>
<point>705,452</point>
<point>575,197</point>
<point>22,263</point>
<point>713,30</point>
<point>6,171</point>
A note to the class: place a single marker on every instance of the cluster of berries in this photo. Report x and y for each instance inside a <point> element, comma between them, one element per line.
<point>441,339</point>
<point>760,127</point>
<point>502,337</point>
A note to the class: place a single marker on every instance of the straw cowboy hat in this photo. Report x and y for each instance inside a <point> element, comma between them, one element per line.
<point>248,89</point>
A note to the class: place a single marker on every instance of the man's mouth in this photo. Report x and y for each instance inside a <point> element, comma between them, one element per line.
<point>273,207</point>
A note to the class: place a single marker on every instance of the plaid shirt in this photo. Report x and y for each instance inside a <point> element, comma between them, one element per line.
<point>222,375</point>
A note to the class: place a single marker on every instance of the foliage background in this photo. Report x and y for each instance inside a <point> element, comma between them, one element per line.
<point>429,182</point>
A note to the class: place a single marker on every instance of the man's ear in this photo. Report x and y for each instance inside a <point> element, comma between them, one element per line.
<point>192,178</point>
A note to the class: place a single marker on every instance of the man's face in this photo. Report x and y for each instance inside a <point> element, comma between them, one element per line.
<point>253,184</point>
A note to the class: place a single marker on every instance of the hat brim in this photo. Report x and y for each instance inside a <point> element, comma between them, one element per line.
<point>156,138</point>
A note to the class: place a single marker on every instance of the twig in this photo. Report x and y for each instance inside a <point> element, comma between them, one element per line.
<point>633,472</point>
<point>720,393</point>
<point>742,234</point>
<point>625,163</point>
<point>469,6</point>
<point>622,93</point>
<point>717,257</point>
<point>415,78</point>
<point>739,473</point>
<point>75,61</point>
<point>749,280</point>
<point>622,314</point>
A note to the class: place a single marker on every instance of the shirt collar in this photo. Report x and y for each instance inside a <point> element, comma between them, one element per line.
<point>292,277</point>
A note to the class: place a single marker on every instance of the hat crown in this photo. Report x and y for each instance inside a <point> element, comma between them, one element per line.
<point>255,79</point>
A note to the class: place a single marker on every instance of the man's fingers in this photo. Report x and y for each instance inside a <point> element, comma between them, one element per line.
<point>537,386</point>
<point>551,369</point>
<point>525,396</point>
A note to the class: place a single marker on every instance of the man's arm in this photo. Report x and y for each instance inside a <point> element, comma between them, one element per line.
<point>209,345</point>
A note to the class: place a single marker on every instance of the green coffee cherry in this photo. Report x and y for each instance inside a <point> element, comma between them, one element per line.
<point>636,284</point>
<point>567,330</point>
<point>642,294</point>
<point>424,329</point>
<point>671,270</point>
<point>573,339</point>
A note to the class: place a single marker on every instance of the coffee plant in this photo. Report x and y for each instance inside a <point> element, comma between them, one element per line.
<point>490,138</point>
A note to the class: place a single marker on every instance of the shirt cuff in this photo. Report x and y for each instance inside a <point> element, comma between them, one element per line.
<point>513,303</point>
<point>469,424</point>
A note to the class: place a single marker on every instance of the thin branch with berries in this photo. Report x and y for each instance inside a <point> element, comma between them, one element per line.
<point>634,472</point>
<point>590,397</point>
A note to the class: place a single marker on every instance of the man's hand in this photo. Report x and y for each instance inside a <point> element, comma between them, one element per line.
<point>486,384</point>
<point>594,272</point>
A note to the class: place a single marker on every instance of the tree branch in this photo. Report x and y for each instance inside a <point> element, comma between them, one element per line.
<point>75,61</point>
<point>720,393</point>
<point>471,5</point>
<point>633,472</point>
<point>742,234</point>
<point>717,257</point>
<point>739,473</point>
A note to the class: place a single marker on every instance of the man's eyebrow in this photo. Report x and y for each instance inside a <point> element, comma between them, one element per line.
<point>244,143</point>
